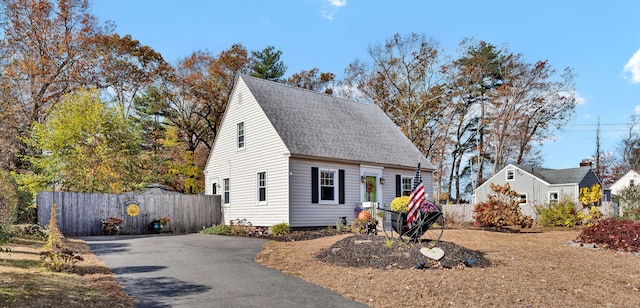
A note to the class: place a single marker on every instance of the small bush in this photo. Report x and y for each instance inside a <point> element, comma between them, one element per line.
<point>281,229</point>
<point>59,260</point>
<point>590,218</point>
<point>501,210</point>
<point>239,226</point>
<point>220,229</point>
<point>629,200</point>
<point>30,231</point>
<point>563,213</point>
<point>5,237</point>
<point>54,237</point>
<point>611,233</point>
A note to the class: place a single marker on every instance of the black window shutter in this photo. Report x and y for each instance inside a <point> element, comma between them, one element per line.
<point>398,185</point>
<point>314,185</point>
<point>341,186</point>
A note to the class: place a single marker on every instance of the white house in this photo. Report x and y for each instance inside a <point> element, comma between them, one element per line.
<point>286,154</point>
<point>629,179</point>
<point>538,186</point>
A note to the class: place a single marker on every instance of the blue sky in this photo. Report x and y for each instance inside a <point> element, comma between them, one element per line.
<point>600,40</point>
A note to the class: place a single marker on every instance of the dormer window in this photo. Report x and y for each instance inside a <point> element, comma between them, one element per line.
<point>240,135</point>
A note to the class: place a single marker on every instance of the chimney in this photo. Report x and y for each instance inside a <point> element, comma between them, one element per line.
<point>585,163</point>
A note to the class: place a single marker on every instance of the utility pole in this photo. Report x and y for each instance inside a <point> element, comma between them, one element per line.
<point>598,149</point>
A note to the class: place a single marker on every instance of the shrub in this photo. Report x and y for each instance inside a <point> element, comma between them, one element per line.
<point>59,260</point>
<point>30,231</point>
<point>589,219</point>
<point>220,229</point>
<point>239,226</point>
<point>611,233</point>
<point>111,225</point>
<point>560,214</point>
<point>54,236</point>
<point>629,200</point>
<point>501,210</point>
<point>590,196</point>
<point>5,237</point>
<point>281,229</point>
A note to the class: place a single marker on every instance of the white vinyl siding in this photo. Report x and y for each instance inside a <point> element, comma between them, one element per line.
<point>266,152</point>
<point>304,213</point>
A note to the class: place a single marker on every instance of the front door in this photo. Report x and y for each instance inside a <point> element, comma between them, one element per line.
<point>370,189</point>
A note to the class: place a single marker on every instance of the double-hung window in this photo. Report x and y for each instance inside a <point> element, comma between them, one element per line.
<point>554,196</point>
<point>225,189</point>
<point>407,186</point>
<point>510,174</point>
<point>261,187</point>
<point>240,135</point>
<point>328,186</point>
<point>523,198</point>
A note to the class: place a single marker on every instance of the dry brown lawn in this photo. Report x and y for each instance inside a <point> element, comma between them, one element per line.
<point>530,270</point>
<point>23,283</point>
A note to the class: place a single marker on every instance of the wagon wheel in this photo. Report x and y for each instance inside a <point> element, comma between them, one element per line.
<point>428,228</point>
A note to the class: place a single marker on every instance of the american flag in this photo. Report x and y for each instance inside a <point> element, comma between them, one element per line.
<point>415,198</point>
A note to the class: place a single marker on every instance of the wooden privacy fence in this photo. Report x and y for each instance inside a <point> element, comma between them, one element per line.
<point>81,214</point>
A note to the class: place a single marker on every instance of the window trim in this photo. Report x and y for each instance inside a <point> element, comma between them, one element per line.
<point>526,197</point>
<point>403,190</point>
<point>553,200</point>
<point>240,135</point>
<point>511,172</point>
<point>226,188</point>
<point>336,186</point>
<point>259,187</point>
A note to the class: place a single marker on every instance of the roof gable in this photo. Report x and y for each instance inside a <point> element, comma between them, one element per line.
<point>320,125</point>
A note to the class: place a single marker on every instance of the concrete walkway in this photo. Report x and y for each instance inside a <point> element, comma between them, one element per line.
<point>197,270</point>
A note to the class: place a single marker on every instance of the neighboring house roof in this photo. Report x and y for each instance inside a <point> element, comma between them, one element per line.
<point>313,124</point>
<point>558,176</point>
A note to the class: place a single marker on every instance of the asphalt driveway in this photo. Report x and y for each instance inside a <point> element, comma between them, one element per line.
<point>197,270</point>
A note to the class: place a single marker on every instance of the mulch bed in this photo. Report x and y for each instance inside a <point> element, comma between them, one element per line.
<point>382,253</point>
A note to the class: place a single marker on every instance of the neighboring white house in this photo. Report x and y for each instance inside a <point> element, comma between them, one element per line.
<point>629,179</point>
<point>286,154</point>
<point>538,186</point>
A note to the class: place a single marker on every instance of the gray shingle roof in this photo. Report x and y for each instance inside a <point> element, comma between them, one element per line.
<point>558,176</point>
<point>323,126</point>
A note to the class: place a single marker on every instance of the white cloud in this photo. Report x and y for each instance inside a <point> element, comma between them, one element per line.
<point>580,100</point>
<point>330,7</point>
<point>633,67</point>
<point>637,110</point>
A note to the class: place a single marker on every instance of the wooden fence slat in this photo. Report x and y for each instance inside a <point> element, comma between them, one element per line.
<point>81,214</point>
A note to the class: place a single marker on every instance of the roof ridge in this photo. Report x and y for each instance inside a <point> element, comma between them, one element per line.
<point>349,100</point>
